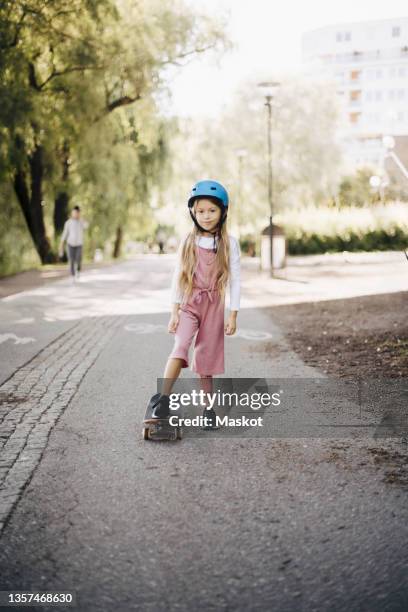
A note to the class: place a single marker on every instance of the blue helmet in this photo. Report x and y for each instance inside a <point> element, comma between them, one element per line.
<point>209,188</point>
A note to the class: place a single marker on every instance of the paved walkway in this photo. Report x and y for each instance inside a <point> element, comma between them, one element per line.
<point>30,279</point>
<point>212,523</point>
<point>328,277</point>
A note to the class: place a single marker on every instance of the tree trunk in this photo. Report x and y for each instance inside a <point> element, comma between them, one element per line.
<point>118,242</point>
<point>62,198</point>
<point>20,187</point>
<point>31,203</point>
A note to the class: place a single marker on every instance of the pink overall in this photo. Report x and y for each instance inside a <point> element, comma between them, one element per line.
<point>204,312</point>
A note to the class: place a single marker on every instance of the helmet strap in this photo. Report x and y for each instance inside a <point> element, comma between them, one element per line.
<point>216,231</point>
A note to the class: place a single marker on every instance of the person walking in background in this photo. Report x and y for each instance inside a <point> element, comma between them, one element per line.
<point>73,233</point>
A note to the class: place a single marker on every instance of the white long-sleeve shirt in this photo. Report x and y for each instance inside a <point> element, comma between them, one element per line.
<point>73,231</point>
<point>207,242</point>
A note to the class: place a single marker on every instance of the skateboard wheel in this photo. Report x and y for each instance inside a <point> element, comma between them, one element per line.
<point>145,433</point>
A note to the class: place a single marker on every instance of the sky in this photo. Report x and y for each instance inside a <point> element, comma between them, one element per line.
<point>267,35</point>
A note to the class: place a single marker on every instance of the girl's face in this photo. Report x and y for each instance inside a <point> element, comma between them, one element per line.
<point>207,214</point>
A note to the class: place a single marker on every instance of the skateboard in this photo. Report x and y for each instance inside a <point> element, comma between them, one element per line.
<point>159,429</point>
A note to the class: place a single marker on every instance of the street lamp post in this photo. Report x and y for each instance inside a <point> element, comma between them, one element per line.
<point>270,88</point>
<point>241,154</point>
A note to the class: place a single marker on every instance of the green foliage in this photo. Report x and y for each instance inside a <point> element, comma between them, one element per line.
<point>323,229</point>
<point>355,190</point>
<point>319,230</point>
<point>80,81</point>
<point>376,240</point>
<point>305,151</point>
<point>248,245</point>
<point>17,251</point>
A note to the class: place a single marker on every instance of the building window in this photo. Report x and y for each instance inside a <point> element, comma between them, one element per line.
<point>378,73</point>
<point>354,117</point>
<point>340,36</point>
<point>401,71</point>
<point>396,31</point>
<point>400,115</point>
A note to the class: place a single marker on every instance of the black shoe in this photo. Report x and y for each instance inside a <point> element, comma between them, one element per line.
<point>211,419</point>
<point>162,408</point>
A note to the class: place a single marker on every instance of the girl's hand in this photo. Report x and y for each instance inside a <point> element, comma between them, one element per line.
<point>231,325</point>
<point>173,323</point>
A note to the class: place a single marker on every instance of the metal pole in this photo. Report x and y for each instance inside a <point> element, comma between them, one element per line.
<point>271,87</point>
<point>240,158</point>
<point>399,163</point>
<point>270,195</point>
<point>241,153</point>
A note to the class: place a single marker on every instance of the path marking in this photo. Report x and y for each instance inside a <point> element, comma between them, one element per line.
<point>17,339</point>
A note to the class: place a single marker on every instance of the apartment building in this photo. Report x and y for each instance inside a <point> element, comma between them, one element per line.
<point>368,61</point>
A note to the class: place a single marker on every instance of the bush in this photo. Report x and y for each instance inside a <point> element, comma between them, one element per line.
<point>314,230</point>
<point>248,246</point>
<point>17,251</point>
<point>376,240</point>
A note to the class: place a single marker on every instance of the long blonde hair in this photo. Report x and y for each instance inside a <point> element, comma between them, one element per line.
<point>189,262</point>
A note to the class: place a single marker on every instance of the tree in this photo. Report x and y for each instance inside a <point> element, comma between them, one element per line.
<point>355,190</point>
<point>67,67</point>
<point>306,154</point>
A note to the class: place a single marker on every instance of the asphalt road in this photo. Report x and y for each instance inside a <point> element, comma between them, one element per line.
<point>209,523</point>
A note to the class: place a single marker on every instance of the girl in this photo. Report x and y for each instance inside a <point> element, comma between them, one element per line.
<point>207,259</point>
